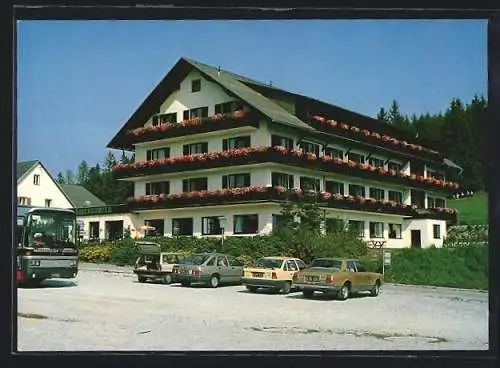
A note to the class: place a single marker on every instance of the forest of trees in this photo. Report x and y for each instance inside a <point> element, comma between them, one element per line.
<point>459,134</point>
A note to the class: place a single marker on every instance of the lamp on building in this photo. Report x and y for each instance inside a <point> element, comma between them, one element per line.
<point>222,225</point>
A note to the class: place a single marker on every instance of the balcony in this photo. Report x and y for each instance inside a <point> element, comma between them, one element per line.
<point>275,194</point>
<point>252,155</point>
<point>237,119</point>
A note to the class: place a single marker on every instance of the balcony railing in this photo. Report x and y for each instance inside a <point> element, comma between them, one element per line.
<point>252,155</point>
<point>262,194</point>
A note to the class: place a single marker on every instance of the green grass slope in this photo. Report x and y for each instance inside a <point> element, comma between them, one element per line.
<point>471,210</point>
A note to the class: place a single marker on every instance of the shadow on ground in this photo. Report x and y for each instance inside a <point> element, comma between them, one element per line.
<point>45,284</point>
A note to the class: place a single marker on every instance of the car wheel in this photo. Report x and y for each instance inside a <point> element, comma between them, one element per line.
<point>214,281</point>
<point>141,279</point>
<point>185,283</point>
<point>376,289</point>
<point>287,287</point>
<point>308,293</point>
<point>167,279</point>
<point>252,289</point>
<point>343,293</point>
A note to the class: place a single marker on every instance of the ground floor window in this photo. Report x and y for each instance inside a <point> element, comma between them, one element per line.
<point>114,229</point>
<point>394,231</point>
<point>436,230</point>
<point>246,224</point>
<point>376,229</point>
<point>157,227</point>
<point>94,230</point>
<point>358,226</point>
<point>277,220</point>
<point>210,225</point>
<point>24,201</point>
<point>182,226</point>
<point>334,225</point>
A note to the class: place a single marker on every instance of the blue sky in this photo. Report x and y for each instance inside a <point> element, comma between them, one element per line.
<point>79,81</point>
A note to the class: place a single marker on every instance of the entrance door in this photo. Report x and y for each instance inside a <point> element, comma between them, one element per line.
<point>415,239</point>
<point>114,229</point>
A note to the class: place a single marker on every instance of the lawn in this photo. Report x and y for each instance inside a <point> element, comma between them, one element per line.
<point>471,210</point>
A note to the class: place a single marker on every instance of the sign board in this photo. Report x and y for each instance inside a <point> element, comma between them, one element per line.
<point>387,258</point>
<point>81,225</point>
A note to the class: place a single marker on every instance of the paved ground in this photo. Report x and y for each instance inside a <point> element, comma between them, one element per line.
<point>111,311</point>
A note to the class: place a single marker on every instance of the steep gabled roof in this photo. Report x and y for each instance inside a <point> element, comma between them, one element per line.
<point>24,167</point>
<point>80,197</point>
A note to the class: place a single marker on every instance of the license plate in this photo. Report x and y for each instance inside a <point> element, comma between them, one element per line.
<point>258,274</point>
<point>55,275</point>
<point>312,278</point>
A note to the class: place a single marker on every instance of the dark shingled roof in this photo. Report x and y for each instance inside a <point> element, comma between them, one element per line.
<point>80,197</point>
<point>25,166</point>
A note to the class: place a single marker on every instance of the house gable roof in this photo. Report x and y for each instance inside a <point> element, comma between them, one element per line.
<point>80,197</point>
<point>24,167</point>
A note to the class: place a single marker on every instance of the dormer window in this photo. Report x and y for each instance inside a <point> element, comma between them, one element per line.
<point>196,85</point>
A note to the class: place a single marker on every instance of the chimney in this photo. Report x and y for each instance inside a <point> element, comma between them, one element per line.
<point>270,83</point>
<point>218,70</point>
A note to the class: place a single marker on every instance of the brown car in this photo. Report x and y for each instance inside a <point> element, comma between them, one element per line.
<point>337,276</point>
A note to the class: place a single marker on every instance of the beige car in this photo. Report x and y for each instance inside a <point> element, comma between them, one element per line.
<point>275,273</point>
<point>153,264</point>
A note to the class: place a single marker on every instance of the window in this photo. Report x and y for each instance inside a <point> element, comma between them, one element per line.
<point>222,261</point>
<point>195,148</point>
<point>282,180</point>
<point>440,202</point>
<point>236,180</point>
<point>376,229</point>
<point>301,264</point>
<point>236,142</point>
<point>159,187</point>
<point>292,266</point>
<point>196,85</point>
<point>307,183</point>
<point>356,157</point>
<point>435,174</point>
<point>334,152</point>
<point>195,184</point>
<point>396,196</point>
<point>436,231</point>
<point>356,190</point>
<point>394,166</point>
<point>157,224</point>
<point>233,262</point>
<point>360,267</point>
<point>334,187</point>
<point>358,226</point>
<point>94,230</point>
<point>277,140</point>
<point>394,231</point>
<point>246,224</point>
<point>377,193</point>
<point>276,220</point>
<point>376,162</point>
<point>210,226</point>
<point>25,201</point>
<point>158,153</point>
<point>228,107</point>
<point>164,118</point>
<point>310,147</point>
<point>211,262</point>
<point>351,266</point>
<point>48,202</point>
<point>36,179</point>
<point>334,225</point>
<point>418,198</point>
<point>198,112</point>
<point>182,226</point>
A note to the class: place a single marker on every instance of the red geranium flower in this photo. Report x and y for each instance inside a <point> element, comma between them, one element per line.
<point>332,123</point>
<point>344,126</point>
<point>319,118</point>
<point>366,132</point>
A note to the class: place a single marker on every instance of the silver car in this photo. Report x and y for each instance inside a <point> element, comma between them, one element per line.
<point>212,269</point>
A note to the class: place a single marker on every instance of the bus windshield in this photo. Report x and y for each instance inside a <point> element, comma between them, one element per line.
<point>51,230</point>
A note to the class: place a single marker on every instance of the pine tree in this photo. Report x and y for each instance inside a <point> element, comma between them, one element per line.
<point>83,173</point>
<point>69,177</point>
<point>382,115</point>
<point>60,178</point>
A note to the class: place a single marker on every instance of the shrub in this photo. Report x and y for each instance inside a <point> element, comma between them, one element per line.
<point>123,253</point>
<point>95,254</point>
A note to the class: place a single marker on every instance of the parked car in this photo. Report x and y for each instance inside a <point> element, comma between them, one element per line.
<point>153,264</point>
<point>275,273</point>
<point>212,269</point>
<point>338,276</point>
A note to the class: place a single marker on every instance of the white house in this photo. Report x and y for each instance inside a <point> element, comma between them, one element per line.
<point>217,153</point>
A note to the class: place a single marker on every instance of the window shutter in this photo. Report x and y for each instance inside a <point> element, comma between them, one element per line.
<point>148,188</point>
<point>290,143</point>
<point>204,112</point>
<point>185,149</point>
<point>218,109</point>
<point>275,141</point>
<point>185,187</point>
<point>167,152</point>
<point>166,187</point>
<point>224,144</point>
<point>148,155</point>
<point>247,141</point>
<point>247,180</point>
<point>274,179</point>
<point>185,115</point>
<point>290,181</point>
<point>204,147</point>
<point>224,181</point>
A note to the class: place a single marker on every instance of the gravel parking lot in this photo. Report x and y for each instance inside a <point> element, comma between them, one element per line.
<point>112,311</point>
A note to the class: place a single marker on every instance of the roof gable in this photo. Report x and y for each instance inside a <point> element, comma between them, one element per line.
<point>24,167</point>
<point>80,197</point>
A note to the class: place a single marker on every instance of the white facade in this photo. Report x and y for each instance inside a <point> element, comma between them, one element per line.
<point>37,188</point>
<point>429,232</point>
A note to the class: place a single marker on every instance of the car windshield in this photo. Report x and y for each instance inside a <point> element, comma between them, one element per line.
<point>196,259</point>
<point>51,230</point>
<point>268,263</point>
<point>172,258</point>
<point>326,263</point>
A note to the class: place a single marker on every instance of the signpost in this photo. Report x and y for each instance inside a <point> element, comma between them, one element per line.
<point>386,259</point>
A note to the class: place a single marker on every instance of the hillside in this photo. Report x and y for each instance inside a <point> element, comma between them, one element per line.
<point>471,210</point>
